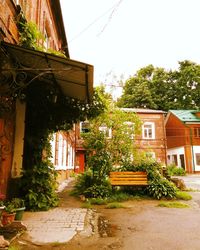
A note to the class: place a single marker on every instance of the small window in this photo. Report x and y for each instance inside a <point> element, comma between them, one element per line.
<point>151,155</point>
<point>84,127</point>
<point>148,130</point>
<point>197,132</point>
<point>197,155</point>
<point>175,159</point>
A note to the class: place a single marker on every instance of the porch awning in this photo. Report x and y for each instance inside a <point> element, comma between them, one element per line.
<point>74,78</point>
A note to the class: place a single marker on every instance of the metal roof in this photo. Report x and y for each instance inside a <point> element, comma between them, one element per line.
<point>187,115</point>
<point>139,110</point>
<point>74,78</point>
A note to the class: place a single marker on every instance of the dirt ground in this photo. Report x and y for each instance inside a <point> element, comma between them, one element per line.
<point>141,225</point>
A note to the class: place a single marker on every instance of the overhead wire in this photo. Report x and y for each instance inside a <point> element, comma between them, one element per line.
<point>113,9</point>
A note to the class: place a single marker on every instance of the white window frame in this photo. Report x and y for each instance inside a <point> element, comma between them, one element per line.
<point>81,126</point>
<point>152,124</point>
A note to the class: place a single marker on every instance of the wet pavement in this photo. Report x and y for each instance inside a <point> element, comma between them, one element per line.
<point>56,225</point>
<point>61,224</point>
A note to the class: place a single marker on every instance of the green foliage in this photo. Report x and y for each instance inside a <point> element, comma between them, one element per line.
<point>173,170</point>
<point>97,201</point>
<point>18,202</point>
<point>161,188</point>
<point>173,204</point>
<point>39,187</point>
<point>183,196</point>
<point>152,167</point>
<point>92,187</point>
<point>157,88</point>
<point>9,207</point>
<point>119,197</point>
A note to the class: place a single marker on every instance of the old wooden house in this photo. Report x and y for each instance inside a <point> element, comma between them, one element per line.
<point>183,139</point>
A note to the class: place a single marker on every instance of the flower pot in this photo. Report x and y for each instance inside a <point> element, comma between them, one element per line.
<point>19,213</point>
<point>1,211</point>
<point>7,218</point>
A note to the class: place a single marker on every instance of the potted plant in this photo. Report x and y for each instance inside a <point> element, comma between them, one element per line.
<point>19,205</point>
<point>8,214</point>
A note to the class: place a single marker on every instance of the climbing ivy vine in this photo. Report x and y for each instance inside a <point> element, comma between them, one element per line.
<point>45,116</point>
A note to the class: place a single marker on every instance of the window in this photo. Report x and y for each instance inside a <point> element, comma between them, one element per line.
<point>197,132</point>
<point>148,130</point>
<point>84,127</point>
<point>175,159</point>
<point>107,131</point>
<point>151,155</point>
<point>197,155</point>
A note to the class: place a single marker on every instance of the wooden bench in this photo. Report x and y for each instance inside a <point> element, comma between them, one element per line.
<point>128,178</point>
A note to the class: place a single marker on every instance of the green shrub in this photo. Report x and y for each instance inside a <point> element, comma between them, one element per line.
<point>101,190</point>
<point>161,187</point>
<point>118,197</point>
<point>174,170</point>
<point>97,201</point>
<point>83,182</point>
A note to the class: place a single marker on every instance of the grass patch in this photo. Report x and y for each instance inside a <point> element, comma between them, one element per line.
<point>14,248</point>
<point>173,204</point>
<point>183,196</point>
<point>97,201</point>
<point>86,205</point>
<point>114,205</point>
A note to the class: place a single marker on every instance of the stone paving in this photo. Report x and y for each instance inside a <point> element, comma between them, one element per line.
<point>56,225</point>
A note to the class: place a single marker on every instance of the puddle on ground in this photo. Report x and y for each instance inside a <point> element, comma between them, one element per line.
<point>105,228</point>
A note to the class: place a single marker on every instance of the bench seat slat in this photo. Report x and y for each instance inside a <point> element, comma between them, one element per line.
<point>128,178</point>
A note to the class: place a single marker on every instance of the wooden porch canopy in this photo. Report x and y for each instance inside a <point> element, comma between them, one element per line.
<point>20,67</point>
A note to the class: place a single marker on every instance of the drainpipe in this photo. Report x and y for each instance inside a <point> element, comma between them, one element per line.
<point>191,143</point>
<point>165,139</point>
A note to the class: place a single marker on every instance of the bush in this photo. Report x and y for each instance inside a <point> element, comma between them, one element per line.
<point>161,187</point>
<point>174,170</point>
<point>102,190</point>
<point>152,167</point>
<point>91,187</point>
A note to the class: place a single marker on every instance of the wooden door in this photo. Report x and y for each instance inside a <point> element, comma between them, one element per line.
<point>6,149</point>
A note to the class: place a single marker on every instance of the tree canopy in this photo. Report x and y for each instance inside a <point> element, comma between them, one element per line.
<point>157,88</point>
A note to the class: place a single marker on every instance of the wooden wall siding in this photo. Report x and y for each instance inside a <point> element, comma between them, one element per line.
<point>158,144</point>
<point>177,133</point>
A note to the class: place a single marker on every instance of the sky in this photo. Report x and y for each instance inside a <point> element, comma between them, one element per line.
<point>118,37</point>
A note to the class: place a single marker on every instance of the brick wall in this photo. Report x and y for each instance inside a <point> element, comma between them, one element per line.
<point>37,11</point>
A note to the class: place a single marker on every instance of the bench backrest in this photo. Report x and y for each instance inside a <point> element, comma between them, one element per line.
<point>128,178</point>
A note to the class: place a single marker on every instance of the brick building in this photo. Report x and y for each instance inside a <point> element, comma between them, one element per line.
<point>22,69</point>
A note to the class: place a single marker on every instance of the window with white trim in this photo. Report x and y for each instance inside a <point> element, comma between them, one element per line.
<point>197,132</point>
<point>84,127</point>
<point>148,130</point>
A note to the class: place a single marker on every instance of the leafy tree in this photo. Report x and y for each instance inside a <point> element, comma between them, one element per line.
<point>105,150</point>
<point>157,88</point>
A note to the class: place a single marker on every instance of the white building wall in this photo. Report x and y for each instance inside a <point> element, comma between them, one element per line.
<point>175,151</point>
<point>196,153</point>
